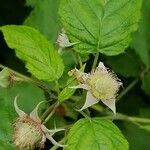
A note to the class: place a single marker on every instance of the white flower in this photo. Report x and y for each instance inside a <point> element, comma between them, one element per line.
<point>29,132</point>
<point>63,40</point>
<point>101,85</point>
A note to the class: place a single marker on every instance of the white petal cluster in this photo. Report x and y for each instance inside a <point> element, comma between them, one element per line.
<point>101,85</point>
<point>29,132</point>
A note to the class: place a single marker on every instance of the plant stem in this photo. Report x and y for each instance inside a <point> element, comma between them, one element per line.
<point>57,87</point>
<point>120,116</point>
<point>98,108</point>
<point>85,115</point>
<point>55,147</point>
<point>137,119</point>
<point>95,61</point>
<point>49,112</point>
<point>28,79</point>
<point>80,60</point>
<point>127,89</point>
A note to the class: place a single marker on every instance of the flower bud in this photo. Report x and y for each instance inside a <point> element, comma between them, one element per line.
<point>5,78</point>
<point>27,132</point>
<point>80,76</point>
<point>63,40</point>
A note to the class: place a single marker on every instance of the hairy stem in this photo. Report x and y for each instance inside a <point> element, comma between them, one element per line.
<point>95,61</point>
<point>137,119</point>
<point>28,79</point>
<point>49,112</point>
<point>62,141</point>
<point>57,87</point>
<point>120,116</point>
<point>80,60</point>
<point>127,89</point>
<point>84,114</point>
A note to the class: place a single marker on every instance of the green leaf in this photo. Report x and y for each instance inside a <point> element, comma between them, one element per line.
<point>126,64</point>
<point>44,17</point>
<point>95,134</point>
<point>28,96</point>
<point>69,62</point>
<point>67,92</point>
<point>136,136</point>
<point>6,146</point>
<point>38,53</point>
<point>142,36</point>
<point>146,83</point>
<point>6,120</point>
<point>145,127</point>
<point>100,25</point>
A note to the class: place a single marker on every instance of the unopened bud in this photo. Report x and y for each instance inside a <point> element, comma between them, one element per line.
<point>27,133</point>
<point>5,78</point>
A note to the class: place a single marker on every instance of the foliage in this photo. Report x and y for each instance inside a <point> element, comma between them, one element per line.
<point>115,33</point>
<point>104,26</point>
<point>96,134</point>
<point>40,56</point>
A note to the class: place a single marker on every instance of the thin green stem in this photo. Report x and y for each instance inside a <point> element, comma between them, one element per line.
<point>57,86</point>
<point>62,141</point>
<point>95,61</point>
<point>27,79</point>
<point>98,108</point>
<point>137,119</point>
<point>120,116</point>
<point>48,114</point>
<point>80,60</point>
<point>127,89</point>
<point>84,114</point>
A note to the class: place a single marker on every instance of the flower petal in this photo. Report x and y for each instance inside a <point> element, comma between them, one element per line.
<point>63,40</point>
<point>80,86</point>
<point>53,141</point>
<point>34,114</point>
<point>90,100</point>
<point>111,104</point>
<point>18,110</point>
<point>102,67</point>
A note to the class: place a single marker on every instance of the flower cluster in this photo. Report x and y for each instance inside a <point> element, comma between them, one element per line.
<point>101,84</point>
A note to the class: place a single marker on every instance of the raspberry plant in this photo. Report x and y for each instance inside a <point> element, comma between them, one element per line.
<point>83,59</point>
